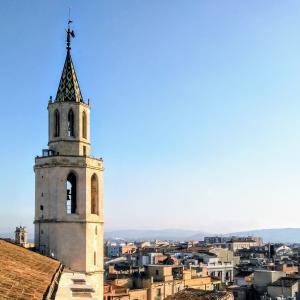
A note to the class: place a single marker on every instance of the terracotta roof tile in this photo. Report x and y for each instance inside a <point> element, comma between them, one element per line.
<point>194,294</point>
<point>24,274</point>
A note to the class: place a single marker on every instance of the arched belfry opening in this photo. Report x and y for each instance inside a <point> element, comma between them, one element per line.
<point>94,195</point>
<point>71,193</point>
<point>70,123</point>
<point>84,124</point>
<point>56,123</point>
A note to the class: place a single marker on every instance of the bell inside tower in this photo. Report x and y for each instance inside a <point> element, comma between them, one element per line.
<point>71,194</point>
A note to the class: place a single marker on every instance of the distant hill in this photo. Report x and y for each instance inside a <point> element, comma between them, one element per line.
<point>11,235</point>
<point>164,234</point>
<point>6,235</point>
<point>284,235</point>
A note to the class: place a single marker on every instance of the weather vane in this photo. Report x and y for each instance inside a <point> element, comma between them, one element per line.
<point>70,33</point>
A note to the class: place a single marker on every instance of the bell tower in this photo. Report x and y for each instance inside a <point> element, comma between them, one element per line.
<point>68,182</point>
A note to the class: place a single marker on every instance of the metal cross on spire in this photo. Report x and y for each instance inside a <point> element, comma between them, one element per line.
<point>70,33</point>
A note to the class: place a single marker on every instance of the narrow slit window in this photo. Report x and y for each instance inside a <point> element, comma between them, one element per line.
<point>84,122</point>
<point>94,195</point>
<point>71,123</point>
<point>56,123</point>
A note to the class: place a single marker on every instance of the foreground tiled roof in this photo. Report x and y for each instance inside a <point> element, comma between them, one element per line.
<point>193,294</point>
<point>24,274</point>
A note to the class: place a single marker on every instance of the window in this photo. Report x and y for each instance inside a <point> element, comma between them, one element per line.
<point>96,230</point>
<point>71,194</point>
<point>84,125</point>
<point>158,292</point>
<point>84,150</point>
<point>95,258</point>
<point>70,123</point>
<point>56,123</point>
<point>94,195</point>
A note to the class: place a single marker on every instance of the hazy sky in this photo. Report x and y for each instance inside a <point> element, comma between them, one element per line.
<point>195,108</point>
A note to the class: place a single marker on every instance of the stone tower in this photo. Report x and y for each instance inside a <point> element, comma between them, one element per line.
<point>21,236</point>
<point>68,182</point>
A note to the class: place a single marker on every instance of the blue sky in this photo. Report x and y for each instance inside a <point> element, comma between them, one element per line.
<point>195,108</point>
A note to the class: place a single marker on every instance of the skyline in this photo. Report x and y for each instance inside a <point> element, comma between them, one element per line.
<point>194,108</point>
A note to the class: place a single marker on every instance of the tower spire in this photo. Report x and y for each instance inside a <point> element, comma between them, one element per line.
<point>68,89</point>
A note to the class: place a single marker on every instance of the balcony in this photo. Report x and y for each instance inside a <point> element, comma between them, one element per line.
<point>48,152</point>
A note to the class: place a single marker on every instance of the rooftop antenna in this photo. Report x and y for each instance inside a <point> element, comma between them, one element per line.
<point>70,33</point>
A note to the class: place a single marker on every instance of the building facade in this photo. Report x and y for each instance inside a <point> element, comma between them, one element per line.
<point>159,282</point>
<point>238,244</point>
<point>68,183</point>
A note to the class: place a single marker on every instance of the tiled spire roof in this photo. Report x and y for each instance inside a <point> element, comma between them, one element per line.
<point>68,89</point>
